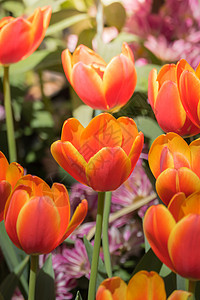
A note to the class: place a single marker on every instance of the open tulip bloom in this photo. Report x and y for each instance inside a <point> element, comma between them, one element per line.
<point>9,175</point>
<point>103,154</point>
<point>170,109</point>
<point>175,165</point>
<point>142,286</point>
<point>20,37</point>
<point>37,217</point>
<point>174,234</point>
<point>98,84</point>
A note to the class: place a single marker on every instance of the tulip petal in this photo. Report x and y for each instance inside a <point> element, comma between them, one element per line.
<point>181,66</point>
<point>180,295</point>
<point>77,218</point>
<point>119,81</point>
<point>14,173</point>
<point>103,294</point>
<point>87,56</point>
<point>146,286</point>
<point>136,150</point>
<point>67,63</point>
<point>158,224</point>
<point>175,206</point>
<point>190,95</point>
<point>71,132</point>
<point>108,169</point>
<point>168,108</point>
<point>88,85</point>
<point>184,240</point>
<point>70,160</point>
<point>195,156</point>
<point>129,133</point>
<point>152,87</point>
<point>5,190</point>
<point>38,186</point>
<point>116,286</point>
<point>126,50</point>
<point>4,166</point>
<point>172,181</point>
<point>38,225</point>
<point>167,72</point>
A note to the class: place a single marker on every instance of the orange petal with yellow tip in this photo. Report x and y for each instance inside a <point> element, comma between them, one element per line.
<point>61,201</point>
<point>181,66</point>
<point>172,181</point>
<point>158,224</point>
<point>119,81</point>
<point>167,72</point>
<point>67,63</point>
<point>38,186</point>
<point>115,285</point>
<point>5,190</point>
<point>129,133</point>
<point>189,86</point>
<point>183,247</point>
<point>14,173</point>
<point>70,160</point>
<point>77,218</point>
<point>175,206</point>
<point>4,166</point>
<point>102,131</point>
<point>195,156</point>
<point>71,132</point>
<point>168,108</point>
<point>146,286</point>
<point>108,169</point>
<point>38,218</point>
<point>103,294</point>
<point>127,51</point>
<point>136,149</point>
<point>19,198</point>
<point>152,87</point>
<point>84,76</point>
<point>180,295</point>
<point>87,56</point>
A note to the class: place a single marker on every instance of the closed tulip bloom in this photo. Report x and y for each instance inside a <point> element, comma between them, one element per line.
<point>142,286</point>
<point>9,175</point>
<point>98,84</point>
<point>20,37</point>
<point>103,154</point>
<point>174,234</point>
<point>164,97</point>
<point>37,217</point>
<point>189,87</point>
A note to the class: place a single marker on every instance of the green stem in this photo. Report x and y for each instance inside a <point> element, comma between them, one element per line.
<point>9,116</point>
<point>32,279</point>
<point>105,240</point>
<point>97,244</point>
<point>191,286</point>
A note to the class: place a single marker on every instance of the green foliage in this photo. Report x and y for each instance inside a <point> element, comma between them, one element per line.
<point>78,296</point>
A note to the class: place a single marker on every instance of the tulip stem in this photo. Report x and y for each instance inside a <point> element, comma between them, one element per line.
<point>105,240</point>
<point>32,278</point>
<point>9,116</point>
<point>97,244</point>
<point>191,286</point>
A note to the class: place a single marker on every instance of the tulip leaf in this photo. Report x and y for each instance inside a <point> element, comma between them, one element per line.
<point>115,15</point>
<point>181,283</point>
<point>148,262</point>
<point>78,296</point>
<point>170,283</point>
<point>142,76</point>
<point>101,275</point>
<point>45,281</point>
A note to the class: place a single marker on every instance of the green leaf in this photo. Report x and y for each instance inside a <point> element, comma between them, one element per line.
<point>170,283</point>
<point>101,275</point>
<point>181,283</point>
<point>165,271</point>
<point>78,296</point>
<point>142,76</point>
<point>45,281</point>
<point>148,262</point>
<point>15,7</point>
<point>115,15</point>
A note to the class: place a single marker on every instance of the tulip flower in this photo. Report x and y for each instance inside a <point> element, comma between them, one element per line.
<point>9,175</point>
<point>20,37</point>
<point>164,97</point>
<point>103,154</point>
<point>189,88</point>
<point>98,84</point>
<point>175,165</point>
<point>174,234</point>
<point>37,217</point>
<point>143,285</point>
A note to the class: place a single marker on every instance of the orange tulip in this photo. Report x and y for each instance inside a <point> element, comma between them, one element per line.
<point>103,154</point>
<point>174,234</point>
<point>163,95</point>
<point>100,85</point>
<point>9,175</point>
<point>20,37</point>
<point>37,217</point>
<point>189,87</point>
<point>175,164</point>
<point>142,286</point>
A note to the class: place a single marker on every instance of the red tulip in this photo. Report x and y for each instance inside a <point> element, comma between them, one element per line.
<point>37,217</point>
<point>142,286</point>
<point>9,175</point>
<point>20,37</point>
<point>174,234</point>
<point>100,85</point>
<point>163,95</point>
<point>189,87</point>
<point>103,154</point>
